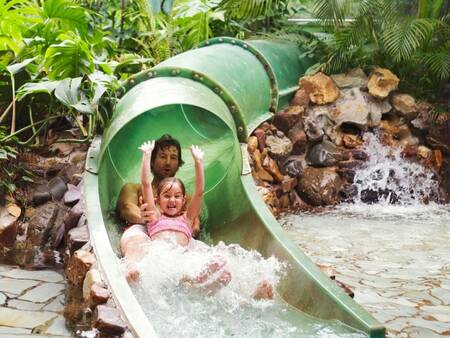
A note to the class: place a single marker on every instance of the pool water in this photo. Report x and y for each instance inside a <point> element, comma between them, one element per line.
<point>176,311</point>
<point>396,258</point>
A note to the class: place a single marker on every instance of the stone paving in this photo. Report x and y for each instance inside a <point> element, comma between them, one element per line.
<point>31,303</point>
<point>398,269</point>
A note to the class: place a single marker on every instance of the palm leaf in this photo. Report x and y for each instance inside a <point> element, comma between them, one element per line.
<point>239,9</point>
<point>439,63</point>
<point>332,11</point>
<point>402,39</point>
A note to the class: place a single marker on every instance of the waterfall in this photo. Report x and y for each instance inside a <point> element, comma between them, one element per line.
<point>388,178</point>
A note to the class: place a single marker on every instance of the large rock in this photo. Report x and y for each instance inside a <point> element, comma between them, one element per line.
<point>92,277</point>
<point>298,138</point>
<point>79,264</point>
<point>279,147</point>
<point>320,88</point>
<point>301,98</point>
<point>313,129</point>
<point>320,186</point>
<point>72,195</point>
<point>259,172</point>
<point>355,78</point>
<point>286,119</point>
<point>293,165</point>
<point>8,226</point>
<point>358,108</point>
<point>405,105</point>
<point>108,320</point>
<point>260,134</point>
<point>77,238</point>
<point>376,108</point>
<point>423,120</point>
<point>271,166</point>
<point>381,82</point>
<point>351,108</point>
<point>324,154</point>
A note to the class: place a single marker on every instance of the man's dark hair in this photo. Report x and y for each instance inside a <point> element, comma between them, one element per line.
<point>166,141</point>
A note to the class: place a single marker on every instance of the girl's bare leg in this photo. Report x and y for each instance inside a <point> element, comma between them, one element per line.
<point>133,250</point>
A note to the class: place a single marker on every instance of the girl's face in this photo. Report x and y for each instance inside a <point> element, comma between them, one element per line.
<point>171,199</point>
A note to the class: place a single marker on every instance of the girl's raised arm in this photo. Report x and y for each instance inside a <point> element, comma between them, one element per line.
<point>147,191</point>
<point>193,210</point>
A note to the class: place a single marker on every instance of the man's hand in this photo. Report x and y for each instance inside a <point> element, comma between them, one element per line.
<point>147,147</point>
<point>147,216</point>
<point>197,153</point>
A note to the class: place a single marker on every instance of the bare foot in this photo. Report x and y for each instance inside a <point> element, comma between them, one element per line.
<point>264,290</point>
<point>132,274</point>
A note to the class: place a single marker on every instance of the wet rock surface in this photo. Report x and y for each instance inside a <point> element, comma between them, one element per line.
<point>326,127</point>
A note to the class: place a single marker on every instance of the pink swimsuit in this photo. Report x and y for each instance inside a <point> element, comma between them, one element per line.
<point>164,223</point>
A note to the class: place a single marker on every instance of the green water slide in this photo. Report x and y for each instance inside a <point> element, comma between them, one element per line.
<point>213,96</point>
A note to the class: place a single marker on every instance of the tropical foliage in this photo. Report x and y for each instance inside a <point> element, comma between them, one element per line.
<point>411,38</point>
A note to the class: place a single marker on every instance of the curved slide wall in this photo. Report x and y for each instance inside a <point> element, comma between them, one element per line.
<point>213,96</point>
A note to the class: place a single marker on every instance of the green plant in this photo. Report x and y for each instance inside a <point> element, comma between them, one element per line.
<point>391,34</point>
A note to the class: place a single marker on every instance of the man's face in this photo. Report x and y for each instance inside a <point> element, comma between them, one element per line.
<point>166,162</point>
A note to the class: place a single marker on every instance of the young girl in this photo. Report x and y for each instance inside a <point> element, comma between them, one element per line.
<point>170,222</point>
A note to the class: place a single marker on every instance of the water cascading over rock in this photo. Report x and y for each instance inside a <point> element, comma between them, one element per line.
<point>351,138</point>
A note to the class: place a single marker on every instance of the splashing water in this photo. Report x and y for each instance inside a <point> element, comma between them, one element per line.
<point>388,178</point>
<point>176,311</point>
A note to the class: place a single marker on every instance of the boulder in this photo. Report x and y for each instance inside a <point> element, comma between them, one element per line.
<point>293,165</point>
<point>324,154</point>
<point>99,295</point>
<point>271,166</point>
<point>301,98</point>
<point>355,78</point>
<point>376,109</point>
<point>352,108</point>
<point>298,138</point>
<point>77,238</point>
<point>252,144</point>
<point>279,147</point>
<point>313,129</point>
<point>92,277</point>
<point>108,320</point>
<point>288,184</point>
<point>381,82</point>
<point>79,264</point>
<point>320,186</point>
<point>438,134</point>
<point>259,171</point>
<point>8,227</point>
<point>320,88</point>
<point>261,136</point>
<point>73,216</point>
<point>405,105</point>
<point>352,141</point>
<point>72,195</point>
<point>348,191</point>
<point>423,119</point>
<point>286,119</point>
<point>359,154</point>
<point>57,188</point>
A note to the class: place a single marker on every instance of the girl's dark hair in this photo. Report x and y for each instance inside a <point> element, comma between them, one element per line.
<point>166,141</point>
<point>170,181</point>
